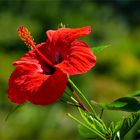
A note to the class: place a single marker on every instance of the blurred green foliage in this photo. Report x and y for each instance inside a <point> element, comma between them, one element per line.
<point>117,72</point>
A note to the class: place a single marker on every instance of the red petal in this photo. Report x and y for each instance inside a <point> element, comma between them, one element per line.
<point>32,62</point>
<point>28,81</point>
<point>59,41</point>
<point>37,88</point>
<point>15,92</point>
<point>67,34</point>
<point>80,59</point>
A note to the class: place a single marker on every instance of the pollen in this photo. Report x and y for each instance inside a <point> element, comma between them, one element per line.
<point>26,37</point>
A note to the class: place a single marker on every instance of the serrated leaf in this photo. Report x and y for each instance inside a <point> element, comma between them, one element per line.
<point>86,132</point>
<point>117,127</point>
<point>128,123</point>
<point>87,126</point>
<point>135,93</point>
<point>92,122</point>
<point>114,130</point>
<point>125,104</point>
<point>112,126</point>
<point>97,50</point>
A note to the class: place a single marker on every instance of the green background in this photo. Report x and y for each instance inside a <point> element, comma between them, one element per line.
<point>117,72</point>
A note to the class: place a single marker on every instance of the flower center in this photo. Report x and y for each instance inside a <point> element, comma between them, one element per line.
<point>25,35</point>
<point>58,57</point>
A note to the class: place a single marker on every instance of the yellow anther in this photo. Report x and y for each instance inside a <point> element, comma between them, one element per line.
<point>25,35</point>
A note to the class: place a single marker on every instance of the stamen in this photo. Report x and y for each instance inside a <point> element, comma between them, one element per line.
<point>25,35</point>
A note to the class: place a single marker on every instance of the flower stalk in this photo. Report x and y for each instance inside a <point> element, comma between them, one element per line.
<point>82,96</point>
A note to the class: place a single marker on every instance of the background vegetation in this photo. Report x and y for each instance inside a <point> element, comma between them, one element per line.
<point>117,73</point>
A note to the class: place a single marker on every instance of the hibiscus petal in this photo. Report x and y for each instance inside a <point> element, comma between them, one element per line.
<point>67,34</point>
<point>37,88</point>
<point>79,59</point>
<point>32,61</point>
<point>15,92</point>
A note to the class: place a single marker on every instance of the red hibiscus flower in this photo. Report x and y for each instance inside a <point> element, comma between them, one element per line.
<point>40,76</point>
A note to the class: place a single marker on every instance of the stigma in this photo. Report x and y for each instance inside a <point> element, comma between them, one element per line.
<point>26,37</point>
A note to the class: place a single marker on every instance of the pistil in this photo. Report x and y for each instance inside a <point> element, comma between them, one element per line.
<point>25,35</point>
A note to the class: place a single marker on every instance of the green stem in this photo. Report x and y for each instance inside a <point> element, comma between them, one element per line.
<point>82,95</point>
<point>101,114</point>
<point>70,96</point>
<point>70,103</point>
<point>12,111</point>
<point>83,106</point>
<point>94,131</point>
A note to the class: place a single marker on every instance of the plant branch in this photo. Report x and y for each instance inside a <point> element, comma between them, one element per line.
<point>81,95</point>
<point>83,106</point>
<point>91,129</point>
<point>102,111</point>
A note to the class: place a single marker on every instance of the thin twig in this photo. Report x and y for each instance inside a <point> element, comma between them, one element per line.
<point>82,105</point>
<point>80,102</point>
<point>70,103</point>
<point>82,96</point>
<point>101,114</point>
<point>11,111</point>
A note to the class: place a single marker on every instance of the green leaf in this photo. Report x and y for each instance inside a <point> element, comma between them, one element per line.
<point>121,128</point>
<point>97,50</point>
<point>135,93</point>
<point>87,126</point>
<point>128,123</point>
<point>113,130</point>
<point>86,132</point>
<point>93,123</point>
<point>125,104</point>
